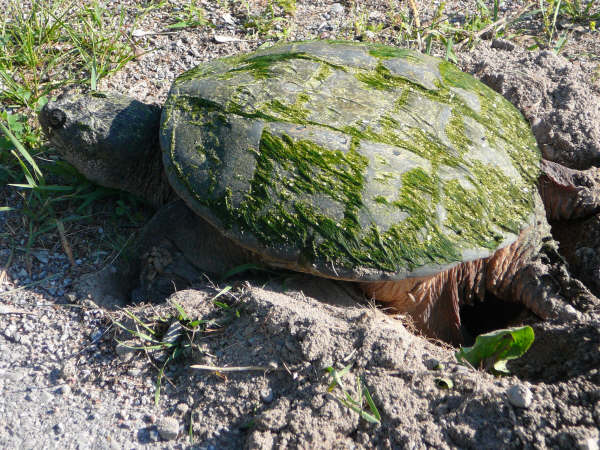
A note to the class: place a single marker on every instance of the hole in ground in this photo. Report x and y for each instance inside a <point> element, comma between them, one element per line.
<point>489,315</point>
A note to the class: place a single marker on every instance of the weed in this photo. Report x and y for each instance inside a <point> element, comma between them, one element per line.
<point>362,395</point>
<point>289,6</point>
<point>180,329</point>
<point>492,350</point>
<point>269,23</point>
<point>193,16</point>
<point>82,44</point>
<point>575,11</point>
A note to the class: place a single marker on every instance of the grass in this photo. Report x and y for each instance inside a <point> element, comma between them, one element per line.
<point>361,397</point>
<point>192,16</point>
<point>53,45</point>
<point>165,338</point>
<point>57,44</point>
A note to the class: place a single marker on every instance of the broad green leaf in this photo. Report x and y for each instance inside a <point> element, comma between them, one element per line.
<point>492,350</point>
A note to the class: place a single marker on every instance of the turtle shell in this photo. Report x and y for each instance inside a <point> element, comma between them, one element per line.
<point>350,160</point>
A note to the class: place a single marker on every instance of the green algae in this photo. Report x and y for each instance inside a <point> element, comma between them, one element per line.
<point>312,171</point>
<point>310,198</point>
<point>504,122</point>
<point>323,73</point>
<point>386,52</point>
<point>295,113</point>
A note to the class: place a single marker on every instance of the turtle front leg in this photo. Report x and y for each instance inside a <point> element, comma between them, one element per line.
<point>177,248</point>
<point>173,250</point>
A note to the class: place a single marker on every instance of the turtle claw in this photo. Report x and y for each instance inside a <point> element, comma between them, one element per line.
<point>164,271</point>
<point>549,290</point>
<point>579,242</point>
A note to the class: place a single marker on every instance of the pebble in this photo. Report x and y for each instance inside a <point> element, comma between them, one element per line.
<point>134,372</point>
<point>127,348</point>
<point>228,18</point>
<point>336,8</point>
<point>64,390</point>
<point>519,396</point>
<point>182,408</point>
<point>96,335</point>
<point>266,395</point>
<point>153,435</point>
<point>569,313</point>
<point>168,428</point>
<point>41,256</point>
<point>369,35</point>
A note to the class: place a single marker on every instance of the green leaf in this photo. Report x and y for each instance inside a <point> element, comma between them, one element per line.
<point>182,314</point>
<point>370,402</point>
<point>20,148</point>
<point>337,375</point>
<point>492,350</point>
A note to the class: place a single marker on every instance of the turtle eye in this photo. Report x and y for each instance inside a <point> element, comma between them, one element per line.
<point>57,118</point>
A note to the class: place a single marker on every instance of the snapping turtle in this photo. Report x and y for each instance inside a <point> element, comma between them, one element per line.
<point>350,161</point>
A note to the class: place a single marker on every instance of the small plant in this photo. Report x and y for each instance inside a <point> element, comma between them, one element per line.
<point>492,350</point>
<point>269,23</point>
<point>362,395</point>
<point>193,16</point>
<point>16,136</point>
<point>580,11</point>
<point>82,44</point>
<point>289,6</point>
<point>167,346</point>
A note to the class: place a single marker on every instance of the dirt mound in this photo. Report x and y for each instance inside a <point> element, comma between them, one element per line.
<point>295,337</point>
<point>556,96</point>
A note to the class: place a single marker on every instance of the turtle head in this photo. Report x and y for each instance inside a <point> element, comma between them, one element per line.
<point>111,139</point>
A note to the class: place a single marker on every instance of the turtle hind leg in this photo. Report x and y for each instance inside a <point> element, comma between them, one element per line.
<point>433,303</point>
<point>534,274</point>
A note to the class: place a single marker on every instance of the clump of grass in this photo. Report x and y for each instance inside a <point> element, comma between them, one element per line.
<point>49,46</point>
<point>272,21</point>
<point>191,16</point>
<point>361,396</point>
<point>164,339</point>
<point>408,26</point>
<point>52,45</point>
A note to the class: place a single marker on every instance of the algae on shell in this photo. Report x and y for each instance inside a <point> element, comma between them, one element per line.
<point>351,160</point>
